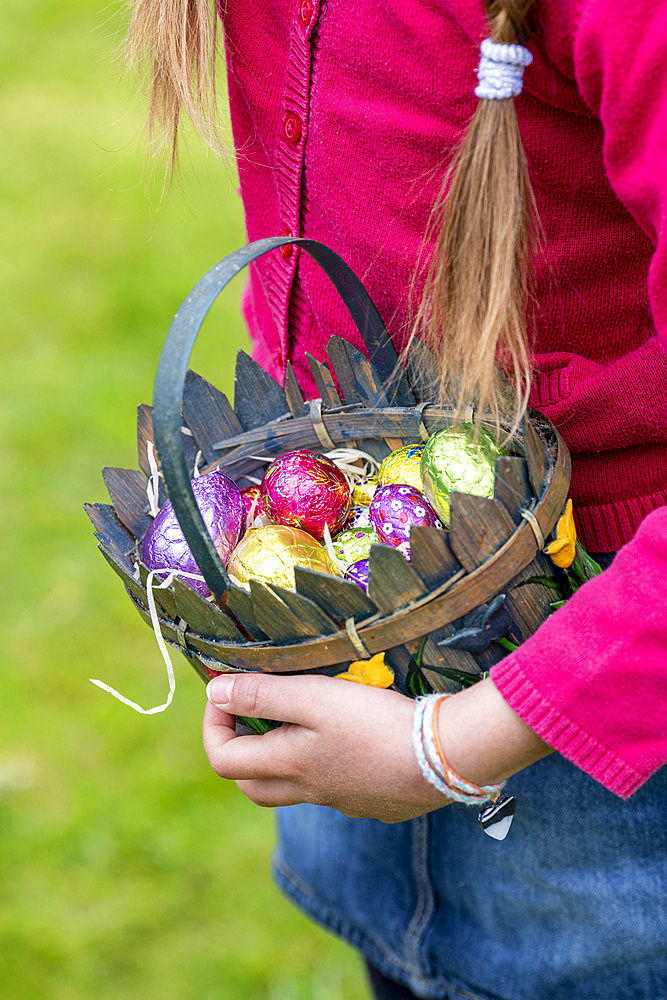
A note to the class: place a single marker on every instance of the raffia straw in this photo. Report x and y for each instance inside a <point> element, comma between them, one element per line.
<point>328,545</point>
<point>159,638</point>
<point>348,459</point>
<point>153,484</point>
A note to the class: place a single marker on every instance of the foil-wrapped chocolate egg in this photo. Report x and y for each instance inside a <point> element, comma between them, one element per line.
<point>403,466</point>
<point>358,573</point>
<point>256,516</point>
<point>359,517</point>
<point>452,461</point>
<point>270,554</point>
<point>222,507</point>
<point>364,490</point>
<point>353,544</point>
<point>395,509</point>
<point>308,491</point>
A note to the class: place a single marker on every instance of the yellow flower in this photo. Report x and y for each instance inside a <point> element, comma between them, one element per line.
<point>373,672</point>
<point>563,549</point>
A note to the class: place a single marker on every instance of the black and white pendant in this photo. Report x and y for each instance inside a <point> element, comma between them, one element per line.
<point>496,819</point>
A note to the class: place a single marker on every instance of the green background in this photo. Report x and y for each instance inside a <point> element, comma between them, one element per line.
<point>127,867</point>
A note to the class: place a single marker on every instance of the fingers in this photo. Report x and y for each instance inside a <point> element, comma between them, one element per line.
<point>272,792</point>
<point>266,696</point>
<point>217,728</point>
<point>249,758</point>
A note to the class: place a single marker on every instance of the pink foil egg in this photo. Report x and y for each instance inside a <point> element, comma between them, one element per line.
<point>306,490</point>
<point>395,509</point>
<point>222,507</point>
<point>256,516</point>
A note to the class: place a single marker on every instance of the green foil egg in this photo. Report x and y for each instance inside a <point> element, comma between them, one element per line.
<point>453,462</point>
<point>353,544</point>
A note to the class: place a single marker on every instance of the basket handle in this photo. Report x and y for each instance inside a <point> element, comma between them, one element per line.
<point>172,367</point>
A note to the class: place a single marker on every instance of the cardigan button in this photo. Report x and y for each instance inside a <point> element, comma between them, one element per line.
<point>292,127</point>
<point>305,12</point>
<point>286,250</point>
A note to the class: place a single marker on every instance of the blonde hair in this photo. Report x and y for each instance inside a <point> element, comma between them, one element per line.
<point>473,311</point>
<point>474,308</point>
<point>173,43</point>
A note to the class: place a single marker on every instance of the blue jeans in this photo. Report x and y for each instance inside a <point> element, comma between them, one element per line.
<point>569,907</point>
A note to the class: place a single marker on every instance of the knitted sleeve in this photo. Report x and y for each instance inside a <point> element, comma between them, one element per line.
<point>592,681</point>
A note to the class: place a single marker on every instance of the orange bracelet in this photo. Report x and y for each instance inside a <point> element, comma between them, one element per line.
<point>452,777</point>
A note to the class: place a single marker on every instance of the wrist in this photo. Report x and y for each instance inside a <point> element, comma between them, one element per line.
<point>483,739</point>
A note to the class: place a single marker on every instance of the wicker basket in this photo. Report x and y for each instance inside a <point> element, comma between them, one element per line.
<point>443,604</point>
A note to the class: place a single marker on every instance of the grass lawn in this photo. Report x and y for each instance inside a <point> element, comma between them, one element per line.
<point>127,868</point>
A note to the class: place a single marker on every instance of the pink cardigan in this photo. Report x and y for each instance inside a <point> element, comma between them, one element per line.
<point>342,114</point>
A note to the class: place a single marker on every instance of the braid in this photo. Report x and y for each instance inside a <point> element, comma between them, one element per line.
<point>473,312</point>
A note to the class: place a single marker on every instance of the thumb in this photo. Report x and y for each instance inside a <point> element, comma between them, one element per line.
<point>269,696</point>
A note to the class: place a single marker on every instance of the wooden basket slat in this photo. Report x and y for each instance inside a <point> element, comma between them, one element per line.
<point>168,630</point>
<point>536,458</point>
<point>398,658</point>
<point>423,374</point>
<point>478,527</point>
<point>146,434</point>
<point>529,603</point>
<point>208,413</point>
<point>317,621</point>
<point>275,618</point>
<point>109,529</point>
<point>324,381</point>
<point>357,377</point>
<point>511,486</point>
<point>431,555</point>
<point>124,571</point>
<point>197,663</point>
<point>127,489</point>
<point>240,604</point>
<point>343,423</point>
<point>341,599</point>
<point>444,657</point>
<point>359,384</point>
<point>293,392</point>
<point>164,598</point>
<point>203,616</point>
<point>392,582</point>
<point>258,399</point>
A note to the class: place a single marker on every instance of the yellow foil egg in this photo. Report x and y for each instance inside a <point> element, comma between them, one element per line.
<point>403,467</point>
<point>270,554</point>
<point>364,491</point>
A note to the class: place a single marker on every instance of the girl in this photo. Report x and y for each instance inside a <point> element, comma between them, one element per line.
<point>345,117</point>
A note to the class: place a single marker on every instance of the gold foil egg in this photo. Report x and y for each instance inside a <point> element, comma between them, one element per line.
<point>452,461</point>
<point>270,554</point>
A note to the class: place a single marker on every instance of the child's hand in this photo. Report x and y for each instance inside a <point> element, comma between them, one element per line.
<point>348,746</point>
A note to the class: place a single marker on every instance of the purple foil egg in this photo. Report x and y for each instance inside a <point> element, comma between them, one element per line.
<point>395,509</point>
<point>358,573</point>
<point>223,509</point>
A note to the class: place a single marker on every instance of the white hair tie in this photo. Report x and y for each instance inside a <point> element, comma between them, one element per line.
<point>500,70</point>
